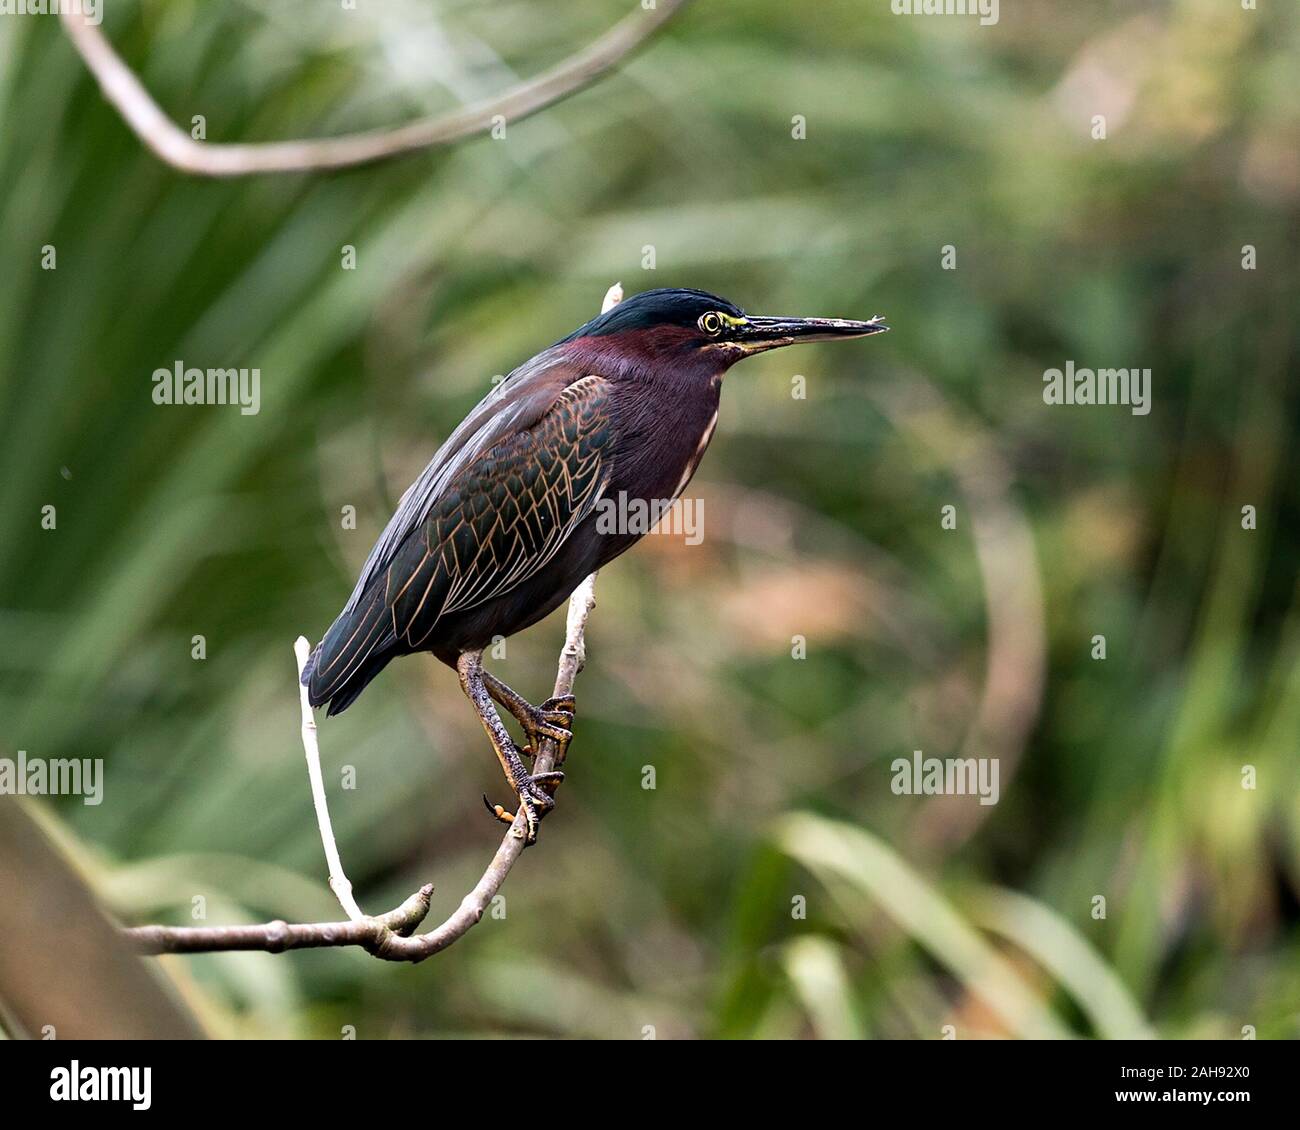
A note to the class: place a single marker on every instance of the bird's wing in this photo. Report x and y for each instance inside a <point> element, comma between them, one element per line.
<point>495,503</point>
<point>515,405</point>
<point>505,514</point>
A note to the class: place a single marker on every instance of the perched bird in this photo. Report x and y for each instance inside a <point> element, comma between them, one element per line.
<point>503,523</point>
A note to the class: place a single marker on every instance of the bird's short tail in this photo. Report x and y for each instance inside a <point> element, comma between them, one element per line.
<point>358,645</point>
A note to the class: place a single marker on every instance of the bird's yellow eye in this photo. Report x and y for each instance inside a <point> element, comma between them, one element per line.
<point>711,324</point>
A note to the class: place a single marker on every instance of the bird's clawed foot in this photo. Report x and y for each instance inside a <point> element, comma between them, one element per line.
<point>535,798</point>
<point>554,720</point>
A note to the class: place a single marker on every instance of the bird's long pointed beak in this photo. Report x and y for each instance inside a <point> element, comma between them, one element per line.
<point>758,334</point>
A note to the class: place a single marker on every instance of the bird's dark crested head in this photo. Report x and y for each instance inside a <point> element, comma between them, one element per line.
<point>694,324</point>
<point>665,307</point>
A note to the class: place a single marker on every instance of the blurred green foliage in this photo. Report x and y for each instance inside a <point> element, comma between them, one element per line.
<point>680,907</point>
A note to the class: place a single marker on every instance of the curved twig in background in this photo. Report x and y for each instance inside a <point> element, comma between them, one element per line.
<point>124,90</point>
<point>1016,667</point>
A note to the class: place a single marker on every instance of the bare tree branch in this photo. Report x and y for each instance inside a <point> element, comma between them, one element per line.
<point>124,90</point>
<point>388,936</point>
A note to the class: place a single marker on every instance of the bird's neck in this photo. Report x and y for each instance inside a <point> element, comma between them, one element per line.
<point>661,358</point>
<point>664,408</point>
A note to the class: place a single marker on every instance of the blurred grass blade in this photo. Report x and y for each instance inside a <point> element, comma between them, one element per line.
<point>816,970</point>
<point>844,856</point>
<point>1059,948</point>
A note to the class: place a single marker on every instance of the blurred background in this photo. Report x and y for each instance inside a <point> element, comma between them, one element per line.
<point>770,884</point>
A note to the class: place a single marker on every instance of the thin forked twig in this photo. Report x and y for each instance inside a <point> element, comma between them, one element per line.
<point>338,880</point>
<point>124,90</point>
<point>389,936</point>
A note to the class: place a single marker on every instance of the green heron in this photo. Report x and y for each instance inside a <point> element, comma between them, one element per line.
<point>502,525</point>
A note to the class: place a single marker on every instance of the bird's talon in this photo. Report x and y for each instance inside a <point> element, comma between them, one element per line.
<point>561,719</point>
<point>548,782</point>
<point>497,811</point>
<point>550,722</point>
<point>563,702</point>
<point>536,799</point>
<point>553,726</point>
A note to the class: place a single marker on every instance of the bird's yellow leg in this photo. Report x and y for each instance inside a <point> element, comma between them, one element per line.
<point>553,719</point>
<point>531,789</point>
